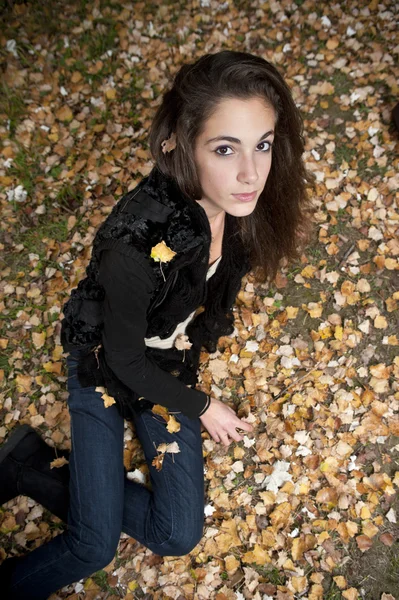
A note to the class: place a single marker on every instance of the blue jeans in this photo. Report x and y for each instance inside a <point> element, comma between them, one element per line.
<point>103,502</point>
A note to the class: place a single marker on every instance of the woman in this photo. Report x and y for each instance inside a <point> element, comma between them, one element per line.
<point>226,195</point>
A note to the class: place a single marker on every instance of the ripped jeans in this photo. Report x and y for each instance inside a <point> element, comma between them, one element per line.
<point>168,519</point>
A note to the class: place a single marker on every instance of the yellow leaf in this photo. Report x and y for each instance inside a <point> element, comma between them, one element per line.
<point>330,465</point>
<point>338,332</point>
<point>350,594</point>
<point>132,585</point>
<point>57,353</point>
<point>292,311</point>
<point>308,271</point>
<point>279,517</point>
<point>380,322</point>
<point>173,426</point>
<point>314,309</point>
<point>64,114</point>
<point>24,383</point>
<point>231,564</point>
<point>53,367</point>
<point>110,93</point>
<point>162,253</point>
<point>340,581</point>
<point>38,339</point>
<point>299,583</point>
<point>228,538</point>
<point>108,400</point>
<point>58,462</point>
<point>369,529</point>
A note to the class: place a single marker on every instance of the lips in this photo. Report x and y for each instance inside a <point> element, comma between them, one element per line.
<point>246,197</point>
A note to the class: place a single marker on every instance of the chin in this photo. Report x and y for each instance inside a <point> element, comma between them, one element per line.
<point>242,211</point>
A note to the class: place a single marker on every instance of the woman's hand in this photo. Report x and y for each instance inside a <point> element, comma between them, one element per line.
<point>221,422</point>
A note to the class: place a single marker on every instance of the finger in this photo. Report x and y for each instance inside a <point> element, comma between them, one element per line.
<point>225,440</point>
<point>244,425</point>
<point>235,436</point>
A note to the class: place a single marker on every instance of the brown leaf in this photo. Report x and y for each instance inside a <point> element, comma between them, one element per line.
<point>387,539</point>
<point>364,542</point>
<point>158,461</point>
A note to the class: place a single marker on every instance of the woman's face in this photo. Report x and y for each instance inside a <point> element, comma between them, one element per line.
<point>239,160</point>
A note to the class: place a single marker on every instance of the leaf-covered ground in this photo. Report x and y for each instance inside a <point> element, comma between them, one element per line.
<point>307,506</point>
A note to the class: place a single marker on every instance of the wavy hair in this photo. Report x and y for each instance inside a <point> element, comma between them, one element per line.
<point>280,224</point>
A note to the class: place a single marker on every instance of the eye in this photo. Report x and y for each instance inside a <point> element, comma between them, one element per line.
<point>222,148</point>
<point>267,144</point>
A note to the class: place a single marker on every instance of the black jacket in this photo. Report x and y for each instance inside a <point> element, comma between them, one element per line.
<point>127,296</point>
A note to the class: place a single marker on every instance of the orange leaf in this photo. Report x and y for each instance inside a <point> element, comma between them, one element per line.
<point>58,462</point>
<point>158,461</point>
<point>160,410</point>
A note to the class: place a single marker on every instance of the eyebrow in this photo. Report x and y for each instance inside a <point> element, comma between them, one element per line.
<point>228,138</point>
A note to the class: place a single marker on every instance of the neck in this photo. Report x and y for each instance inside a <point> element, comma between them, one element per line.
<point>215,217</point>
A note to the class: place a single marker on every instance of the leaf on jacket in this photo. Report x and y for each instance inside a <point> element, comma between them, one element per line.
<point>158,409</point>
<point>58,462</point>
<point>108,400</point>
<point>172,448</point>
<point>162,253</point>
<point>172,425</point>
<point>163,448</point>
<point>158,461</point>
<point>182,342</point>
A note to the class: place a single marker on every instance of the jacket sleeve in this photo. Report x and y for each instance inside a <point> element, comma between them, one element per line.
<point>128,290</point>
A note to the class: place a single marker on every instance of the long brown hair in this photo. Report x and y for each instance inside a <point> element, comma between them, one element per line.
<point>280,223</point>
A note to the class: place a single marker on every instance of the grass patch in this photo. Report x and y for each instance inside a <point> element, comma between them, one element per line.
<point>12,105</point>
<point>25,167</point>
<point>343,152</point>
<point>101,579</point>
<point>100,39</point>
<point>69,197</point>
<point>32,240</point>
<point>272,574</point>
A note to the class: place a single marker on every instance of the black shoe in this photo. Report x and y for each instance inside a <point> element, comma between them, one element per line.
<point>25,470</point>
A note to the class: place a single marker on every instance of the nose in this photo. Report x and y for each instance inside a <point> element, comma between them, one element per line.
<point>248,172</point>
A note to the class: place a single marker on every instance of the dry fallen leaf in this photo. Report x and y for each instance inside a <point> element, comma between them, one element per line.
<point>108,400</point>
<point>162,253</point>
<point>173,426</point>
<point>169,144</point>
<point>58,462</point>
<point>182,342</point>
